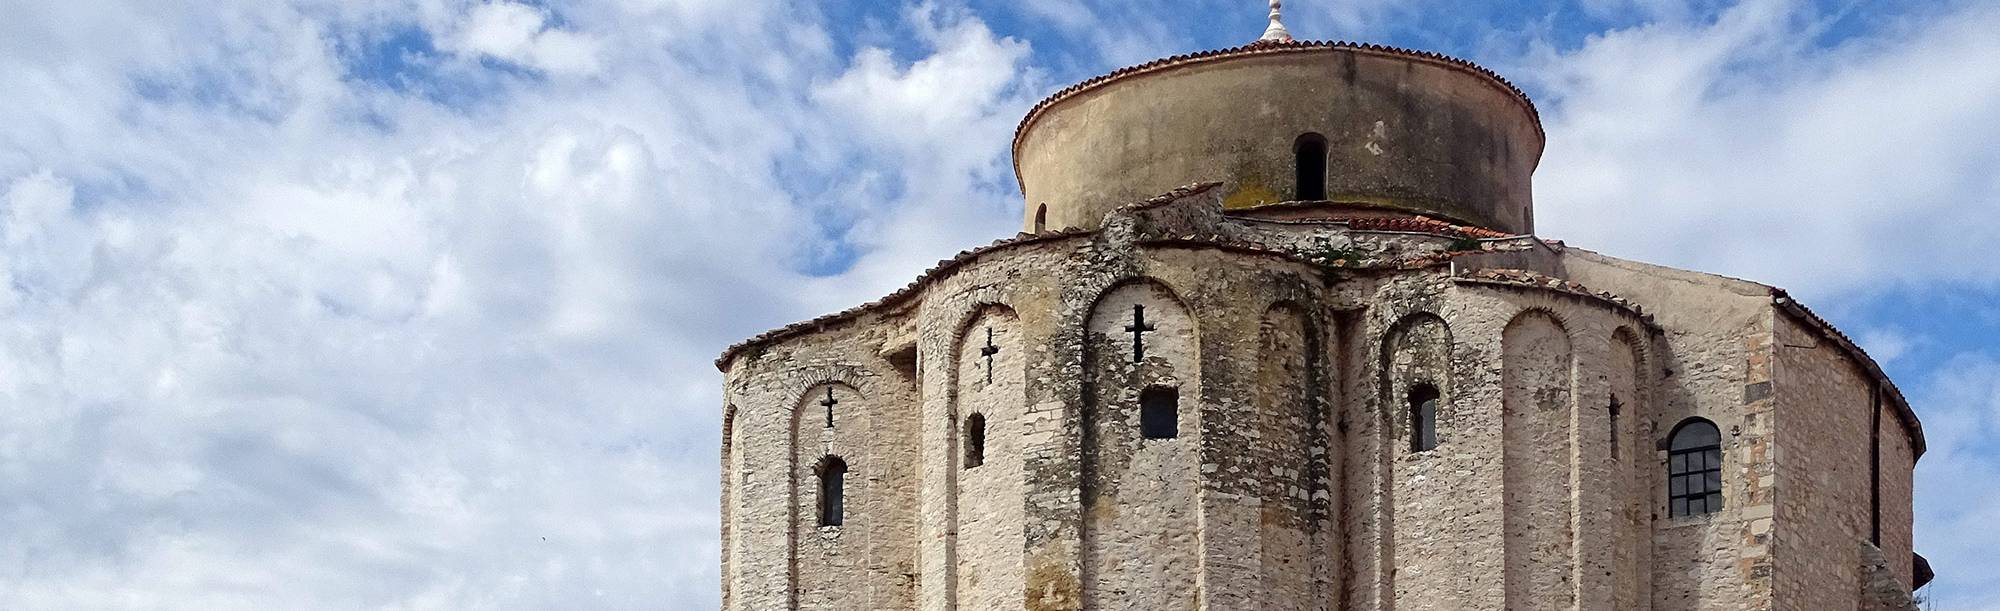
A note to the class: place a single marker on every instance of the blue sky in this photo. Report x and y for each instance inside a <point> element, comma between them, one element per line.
<point>411,303</point>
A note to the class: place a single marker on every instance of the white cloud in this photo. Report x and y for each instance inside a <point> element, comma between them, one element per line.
<point>1886,344</point>
<point>953,113</point>
<point>1829,171</point>
<point>1961,411</point>
<point>521,34</point>
<point>275,334</point>
<point>278,331</point>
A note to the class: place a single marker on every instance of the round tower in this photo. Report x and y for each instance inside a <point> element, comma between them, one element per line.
<point>1363,127</point>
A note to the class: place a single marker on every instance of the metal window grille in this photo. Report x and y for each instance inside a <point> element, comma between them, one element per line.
<point>1694,470</point>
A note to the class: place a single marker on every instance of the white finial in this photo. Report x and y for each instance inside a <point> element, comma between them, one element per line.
<point>1277,32</point>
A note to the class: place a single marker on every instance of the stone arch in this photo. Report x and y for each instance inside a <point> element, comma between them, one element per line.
<point>1290,456</point>
<point>1141,290</point>
<point>1416,352</point>
<point>1135,489</point>
<point>1625,364</point>
<point>988,378</point>
<point>1537,407</point>
<point>819,573</point>
<point>1626,407</point>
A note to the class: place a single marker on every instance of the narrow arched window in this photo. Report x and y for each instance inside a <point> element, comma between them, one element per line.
<point>1423,418</point>
<point>1309,157</point>
<point>1694,469</point>
<point>832,491</point>
<point>975,440</point>
<point>1041,218</point>
<point>1159,412</point>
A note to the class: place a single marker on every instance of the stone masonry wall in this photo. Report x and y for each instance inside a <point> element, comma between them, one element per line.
<point>1141,530</point>
<point>990,384</point>
<point>1712,361</point>
<point>1898,489</point>
<point>1538,388</point>
<point>1291,482</point>
<point>781,557</point>
<point>1291,446</point>
<point>1631,526</point>
<point>1824,417</point>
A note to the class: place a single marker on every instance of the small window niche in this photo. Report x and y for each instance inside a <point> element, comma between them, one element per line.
<point>1159,412</point>
<point>1423,418</point>
<point>1309,157</point>
<point>975,440</point>
<point>1611,412</point>
<point>1041,218</point>
<point>832,491</point>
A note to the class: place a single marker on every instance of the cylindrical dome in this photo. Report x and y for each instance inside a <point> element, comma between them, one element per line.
<point>1276,122</point>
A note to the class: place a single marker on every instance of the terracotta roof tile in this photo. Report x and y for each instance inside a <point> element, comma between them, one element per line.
<point>909,290</point>
<point>1165,198</point>
<point>1785,302</point>
<point>1522,277</point>
<point>1421,224</point>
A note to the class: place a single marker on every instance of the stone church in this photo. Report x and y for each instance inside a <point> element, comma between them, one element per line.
<point>1278,333</point>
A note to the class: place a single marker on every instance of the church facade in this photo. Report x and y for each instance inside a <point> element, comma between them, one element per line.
<point>1278,334</point>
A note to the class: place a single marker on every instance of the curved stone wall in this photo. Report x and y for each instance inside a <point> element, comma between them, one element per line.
<point>1402,130</point>
<point>1291,480</point>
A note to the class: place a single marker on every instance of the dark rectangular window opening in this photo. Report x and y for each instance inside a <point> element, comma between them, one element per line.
<point>1309,153</point>
<point>1612,412</point>
<point>975,440</point>
<point>832,491</point>
<point>1423,418</point>
<point>1159,412</point>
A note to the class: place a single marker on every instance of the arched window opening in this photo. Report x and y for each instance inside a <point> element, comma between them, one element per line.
<point>1309,154</point>
<point>832,491</point>
<point>1041,218</point>
<point>975,440</point>
<point>1694,469</point>
<point>1423,418</point>
<point>1159,412</point>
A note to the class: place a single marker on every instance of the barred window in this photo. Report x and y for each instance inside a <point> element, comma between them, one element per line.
<point>1694,469</point>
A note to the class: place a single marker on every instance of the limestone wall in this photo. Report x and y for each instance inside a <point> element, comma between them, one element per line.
<point>780,557</point>
<point>1713,361</point>
<point>1898,471</point>
<point>1825,421</point>
<point>1289,479</point>
<point>991,392</point>
<point>1141,497</point>
<point>1538,397</point>
<point>1402,130</point>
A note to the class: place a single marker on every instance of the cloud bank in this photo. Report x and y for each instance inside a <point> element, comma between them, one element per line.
<point>411,303</point>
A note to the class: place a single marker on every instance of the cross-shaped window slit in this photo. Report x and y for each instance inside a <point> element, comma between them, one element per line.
<point>1138,329</point>
<point>988,352</point>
